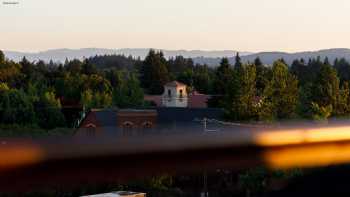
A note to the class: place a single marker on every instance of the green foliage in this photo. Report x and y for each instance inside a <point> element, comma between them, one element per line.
<point>263,76</point>
<point>281,93</point>
<point>321,112</point>
<point>256,181</point>
<point>87,99</point>
<point>325,90</point>
<point>48,111</point>
<point>2,57</point>
<point>154,72</point>
<point>90,99</point>
<point>179,64</point>
<point>224,75</point>
<point>241,99</point>
<point>161,182</point>
<point>238,62</point>
<point>10,73</point>
<point>31,92</point>
<point>88,68</point>
<point>199,78</point>
<point>128,93</point>
<point>253,181</point>
<point>343,103</point>
<point>4,87</point>
<point>16,108</point>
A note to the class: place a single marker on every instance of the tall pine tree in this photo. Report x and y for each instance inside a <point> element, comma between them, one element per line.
<point>154,72</point>
<point>281,93</point>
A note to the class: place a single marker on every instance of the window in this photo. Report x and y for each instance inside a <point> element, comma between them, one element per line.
<point>147,125</point>
<point>169,93</point>
<point>127,128</point>
<point>90,130</point>
<point>181,93</point>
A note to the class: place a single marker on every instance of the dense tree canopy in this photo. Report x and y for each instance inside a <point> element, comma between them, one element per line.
<point>281,93</point>
<point>224,75</point>
<point>154,72</point>
<point>2,57</point>
<point>32,93</point>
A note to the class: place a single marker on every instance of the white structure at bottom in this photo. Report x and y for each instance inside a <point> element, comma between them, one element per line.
<point>175,95</point>
<point>119,194</point>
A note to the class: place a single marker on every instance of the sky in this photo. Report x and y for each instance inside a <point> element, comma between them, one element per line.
<point>244,25</point>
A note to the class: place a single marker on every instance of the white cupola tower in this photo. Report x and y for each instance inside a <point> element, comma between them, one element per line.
<point>175,95</point>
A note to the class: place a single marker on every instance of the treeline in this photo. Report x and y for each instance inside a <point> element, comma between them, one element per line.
<point>32,93</point>
<point>314,89</point>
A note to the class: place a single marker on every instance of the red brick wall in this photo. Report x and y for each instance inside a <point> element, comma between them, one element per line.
<point>137,118</point>
<point>90,119</point>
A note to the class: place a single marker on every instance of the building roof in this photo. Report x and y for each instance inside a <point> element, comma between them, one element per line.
<point>165,115</point>
<point>174,84</point>
<point>106,118</point>
<point>198,100</point>
<point>156,99</point>
<point>195,100</point>
<point>178,114</point>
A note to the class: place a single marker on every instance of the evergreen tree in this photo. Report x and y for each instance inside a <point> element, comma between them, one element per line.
<point>88,68</point>
<point>2,57</point>
<point>343,68</point>
<point>16,108</point>
<point>238,62</point>
<point>74,66</point>
<point>154,72</point>
<point>326,61</point>
<point>87,99</point>
<point>224,74</point>
<point>48,111</point>
<point>262,75</point>
<point>240,101</point>
<point>27,68</point>
<point>281,93</point>
<point>128,93</point>
<point>343,103</point>
<point>301,71</point>
<point>325,88</point>
<point>257,62</point>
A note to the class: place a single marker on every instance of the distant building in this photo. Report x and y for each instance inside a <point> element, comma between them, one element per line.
<point>119,194</point>
<point>176,95</point>
<point>175,110</point>
<point>132,122</point>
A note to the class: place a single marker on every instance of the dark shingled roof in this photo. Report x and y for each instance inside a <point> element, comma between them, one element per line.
<point>166,115</point>
<point>174,84</point>
<point>107,118</point>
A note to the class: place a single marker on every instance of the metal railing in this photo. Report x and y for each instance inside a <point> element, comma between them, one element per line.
<point>71,160</point>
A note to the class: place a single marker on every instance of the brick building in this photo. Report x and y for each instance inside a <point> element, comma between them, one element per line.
<point>132,122</point>
<point>175,110</point>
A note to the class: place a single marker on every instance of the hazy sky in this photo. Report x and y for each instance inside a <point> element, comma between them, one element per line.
<point>245,25</point>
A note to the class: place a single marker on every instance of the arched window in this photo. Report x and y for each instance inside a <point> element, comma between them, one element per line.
<point>90,130</point>
<point>127,128</point>
<point>181,93</point>
<point>147,125</point>
<point>169,93</point>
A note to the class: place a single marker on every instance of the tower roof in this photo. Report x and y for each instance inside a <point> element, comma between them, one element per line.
<point>174,84</point>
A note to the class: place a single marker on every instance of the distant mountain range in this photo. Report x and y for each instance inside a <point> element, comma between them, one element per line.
<point>211,58</point>
<point>59,55</point>
<point>270,57</point>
